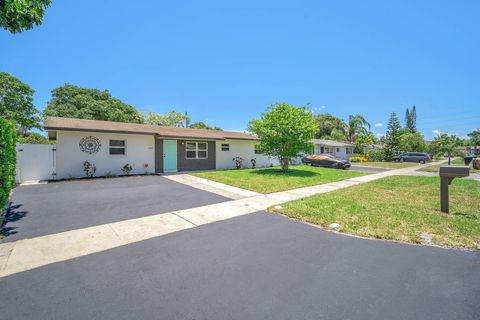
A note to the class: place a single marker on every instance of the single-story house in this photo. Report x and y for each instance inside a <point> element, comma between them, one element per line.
<point>338,149</point>
<point>146,148</point>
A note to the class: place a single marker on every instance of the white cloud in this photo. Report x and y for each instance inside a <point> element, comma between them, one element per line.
<point>378,125</point>
<point>209,120</point>
<point>436,132</point>
<point>379,135</point>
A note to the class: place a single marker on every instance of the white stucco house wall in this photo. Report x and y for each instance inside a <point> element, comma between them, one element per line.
<point>146,148</point>
<point>139,153</point>
<point>229,149</point>
<point>338,149</point>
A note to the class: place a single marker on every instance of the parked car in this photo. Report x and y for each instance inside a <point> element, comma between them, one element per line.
<point>325,160</point>
<point>419,157</point>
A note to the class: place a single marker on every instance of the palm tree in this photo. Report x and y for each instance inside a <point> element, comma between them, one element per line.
<point>446,144</point>
<point>356,126</point>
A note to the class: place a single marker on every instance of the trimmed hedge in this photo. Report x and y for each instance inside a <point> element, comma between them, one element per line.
<point>8,138</point>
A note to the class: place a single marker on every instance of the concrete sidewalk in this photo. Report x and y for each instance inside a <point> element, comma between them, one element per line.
<point>32,253</point>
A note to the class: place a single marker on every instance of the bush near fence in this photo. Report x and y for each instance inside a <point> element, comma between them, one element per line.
<point>8,139</point>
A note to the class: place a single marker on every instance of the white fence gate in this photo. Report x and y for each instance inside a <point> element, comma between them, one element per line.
<point>35,162</point>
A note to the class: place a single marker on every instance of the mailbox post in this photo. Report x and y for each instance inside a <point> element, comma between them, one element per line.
<point>447,174</point>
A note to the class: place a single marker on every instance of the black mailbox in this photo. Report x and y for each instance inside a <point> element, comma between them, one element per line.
<point>447,174</point>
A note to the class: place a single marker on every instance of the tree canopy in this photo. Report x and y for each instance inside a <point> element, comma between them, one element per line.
<point>412,141</point>
<point>330,127</point>
<point>70,101</point>
<point>202,125</point>
<point>170,119</point>
<point>35,138</point>
<point>20,15</point>
<point>284,131</point>
<point>16,103</point>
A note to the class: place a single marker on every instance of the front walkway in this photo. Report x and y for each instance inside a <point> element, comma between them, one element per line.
<point>32,253</point>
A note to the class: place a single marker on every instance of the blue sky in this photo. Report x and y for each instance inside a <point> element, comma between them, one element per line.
<point>224,62</point>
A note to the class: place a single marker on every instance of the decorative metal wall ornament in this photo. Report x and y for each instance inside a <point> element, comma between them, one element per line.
<point>90,144</point>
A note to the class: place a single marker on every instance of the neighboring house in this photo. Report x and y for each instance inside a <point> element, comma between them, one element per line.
<point>147,148</point>
<point>468,150</point>
<point>340,150</point>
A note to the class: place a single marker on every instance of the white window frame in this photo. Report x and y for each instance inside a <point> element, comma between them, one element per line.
<point>196,150</point>
<point>225,147</point>
<point>124,147</point>
<point>328,150</point>
<point>349,150</point>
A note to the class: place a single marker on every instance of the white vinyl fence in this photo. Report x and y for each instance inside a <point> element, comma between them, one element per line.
<point>35,162</point>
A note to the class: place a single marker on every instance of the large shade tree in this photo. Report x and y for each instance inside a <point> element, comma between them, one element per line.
<point>330,127</point>
<point>170,119</point>
<point>35,138</point>
<point>202,125</point>
<point>284,131</point>
<point>356,126</point>
<point>70,101</point>
<point>20,15</point>
<point>412,141</point>
<point>16,103</point>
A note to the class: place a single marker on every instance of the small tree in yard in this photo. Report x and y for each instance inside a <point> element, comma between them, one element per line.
<point>392,137</point>
<point>445,143</point>
<point>284,131</point>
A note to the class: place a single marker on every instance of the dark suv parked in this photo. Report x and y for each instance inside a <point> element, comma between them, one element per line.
<point>413,157</point>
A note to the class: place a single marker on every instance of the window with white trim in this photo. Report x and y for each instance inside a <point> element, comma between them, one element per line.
<point>349,150</point>
<point>196,150</point>
<point>117,147</point>
<point>225,147</point>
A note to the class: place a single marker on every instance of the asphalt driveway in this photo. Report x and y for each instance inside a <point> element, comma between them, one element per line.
<point>258,266</point>
<point>38,210</point>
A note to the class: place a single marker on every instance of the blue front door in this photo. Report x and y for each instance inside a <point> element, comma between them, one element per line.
<point>169,155</point>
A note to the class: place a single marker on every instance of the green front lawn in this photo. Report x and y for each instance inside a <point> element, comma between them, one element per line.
<point>435,168</point>
<point>267,180</point>
<point>392,165</point>
<point>398,208</point>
